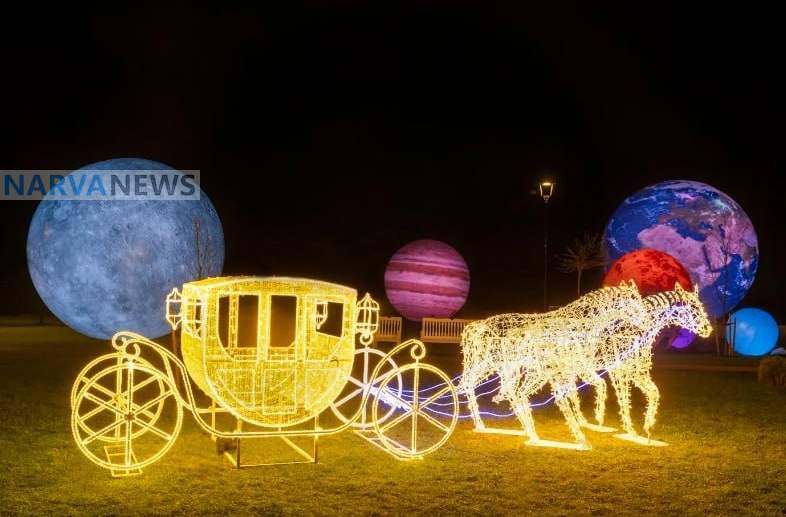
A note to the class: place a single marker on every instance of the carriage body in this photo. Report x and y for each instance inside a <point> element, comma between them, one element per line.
<point>275,351</point>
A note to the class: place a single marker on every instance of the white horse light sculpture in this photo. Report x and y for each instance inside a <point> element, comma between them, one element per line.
<point>671,308</point>
<point>601,331</point>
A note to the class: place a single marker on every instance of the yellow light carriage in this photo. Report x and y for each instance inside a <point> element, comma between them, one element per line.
<point>269,356</point>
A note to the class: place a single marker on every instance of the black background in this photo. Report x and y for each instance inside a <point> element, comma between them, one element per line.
<point>328,136</point>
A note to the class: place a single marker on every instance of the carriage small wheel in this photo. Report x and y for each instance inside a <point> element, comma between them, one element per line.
<point>347,406</point>
<point>426,413</point>
<point>126,417</point>
<point>99,364</point>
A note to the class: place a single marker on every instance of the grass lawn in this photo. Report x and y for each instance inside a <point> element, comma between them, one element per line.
<point>726,455</point>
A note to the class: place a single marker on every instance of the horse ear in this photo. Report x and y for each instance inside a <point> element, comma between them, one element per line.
<point>678,287</point>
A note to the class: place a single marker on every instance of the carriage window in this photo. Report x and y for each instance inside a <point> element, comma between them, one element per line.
<point>320,312</point>
<point>283,320</point>
<point>334,323</point>
<point>238,317</point>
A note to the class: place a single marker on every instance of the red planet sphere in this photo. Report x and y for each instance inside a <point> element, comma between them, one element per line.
<point>427,278</point>
<point>654,271</point>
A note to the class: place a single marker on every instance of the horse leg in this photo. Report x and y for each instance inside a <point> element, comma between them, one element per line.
<point>601,395</point>
<point>467,386</point>
<point>566,405</point>
<point>621,384</point>
<point>652,394</point>
<point>518,397</point>
<point>575,402</point>
<point>472,403</point>
<point>524,413</point>
<point>597,382</point>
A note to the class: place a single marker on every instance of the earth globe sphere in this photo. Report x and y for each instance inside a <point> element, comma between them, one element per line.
<point>654,271</point>
<point>703,228</point>
<point>427,278</point>
<point>102,266</point>
<point>752,331</point>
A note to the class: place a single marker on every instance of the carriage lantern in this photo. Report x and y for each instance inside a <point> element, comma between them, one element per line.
<point>368,319</point>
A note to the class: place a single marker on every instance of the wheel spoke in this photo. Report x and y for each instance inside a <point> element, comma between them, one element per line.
<point>430,418</point>
<point>155,400</point>
<point>348,407</point>
<point>153,429</point>
<point>103,389</point>
<point>393,422</point>
<point>348,397</point>
<point>434,398</point>
<point>144,383</point>
<point>92,437</point>
<point>105,404</point>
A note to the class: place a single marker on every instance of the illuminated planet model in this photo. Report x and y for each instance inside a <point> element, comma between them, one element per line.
<point>700,226</point>
<point>427,278</point>
<point>752,332</point>
<point>105,266</point>
<point>654,271</point>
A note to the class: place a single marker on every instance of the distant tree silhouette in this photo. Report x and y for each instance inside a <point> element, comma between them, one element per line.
<point>723,284</point>
<point>206,257</point>
<point>206,253</point>
<point>584,254</point>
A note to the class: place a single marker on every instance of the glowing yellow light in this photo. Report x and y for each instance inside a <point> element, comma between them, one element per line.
<point>546,190</point>
<point>294,361</point>
<point>368,319</point>
<point>116,405</point>
<point>608,330</point>
<point>274,352</point>
<point>671,308</point>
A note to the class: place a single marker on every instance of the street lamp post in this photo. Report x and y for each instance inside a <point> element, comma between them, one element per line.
<point>546,191</point>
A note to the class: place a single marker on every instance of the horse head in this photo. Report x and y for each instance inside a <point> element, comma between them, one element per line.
<point>690,311</point>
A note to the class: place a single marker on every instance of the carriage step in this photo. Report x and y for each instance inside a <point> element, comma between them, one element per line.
<point>393,448</point>
<point>116,454</point>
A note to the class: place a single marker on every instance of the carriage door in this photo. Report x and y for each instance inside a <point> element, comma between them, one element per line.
<point>282,328</point>
<point>238,320</point>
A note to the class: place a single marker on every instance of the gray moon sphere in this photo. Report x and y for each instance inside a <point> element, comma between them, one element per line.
<point>102,266</point>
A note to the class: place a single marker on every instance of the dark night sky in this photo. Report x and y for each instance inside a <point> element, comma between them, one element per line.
<point>416,122</point>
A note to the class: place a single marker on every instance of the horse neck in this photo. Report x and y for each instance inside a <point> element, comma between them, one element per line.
<point>618,298</point>
<point>661,309</point>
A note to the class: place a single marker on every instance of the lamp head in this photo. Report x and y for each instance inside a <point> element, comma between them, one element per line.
<point>546,190</point>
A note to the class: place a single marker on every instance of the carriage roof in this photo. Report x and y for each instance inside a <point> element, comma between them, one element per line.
<point>272,284</point>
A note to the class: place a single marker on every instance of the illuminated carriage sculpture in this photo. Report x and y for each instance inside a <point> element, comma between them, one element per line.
<point>270,375</point>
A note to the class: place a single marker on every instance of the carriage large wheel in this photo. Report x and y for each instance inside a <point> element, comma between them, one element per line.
<point>117,419</point>
<point>428,412</point>
<point>347,406</point>
<point>98,365</point>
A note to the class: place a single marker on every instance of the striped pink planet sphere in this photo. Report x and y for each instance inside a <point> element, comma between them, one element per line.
<point>427,278</point>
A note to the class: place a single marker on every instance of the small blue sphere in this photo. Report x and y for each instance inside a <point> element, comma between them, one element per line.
<point>752,331</point>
